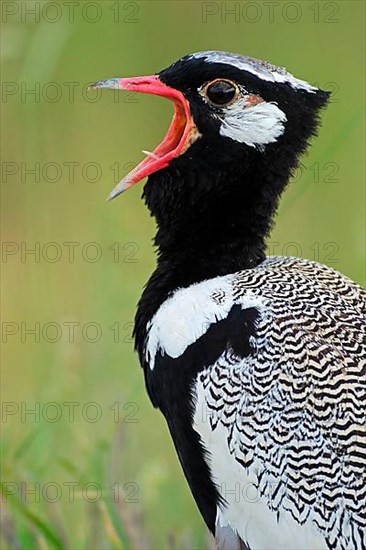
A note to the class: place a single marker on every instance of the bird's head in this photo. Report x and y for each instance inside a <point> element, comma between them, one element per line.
<point>229,109</point>
<point>238,129</point>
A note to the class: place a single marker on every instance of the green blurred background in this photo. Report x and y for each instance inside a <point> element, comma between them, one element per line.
<point>79,143</point>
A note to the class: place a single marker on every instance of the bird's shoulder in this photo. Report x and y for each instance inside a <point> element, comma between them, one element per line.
<point>282,291</point>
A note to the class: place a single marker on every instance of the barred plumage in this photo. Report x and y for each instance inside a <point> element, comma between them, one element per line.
<point>294,410</point>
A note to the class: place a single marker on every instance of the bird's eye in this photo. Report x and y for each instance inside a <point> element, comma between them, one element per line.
<point>221,92</point>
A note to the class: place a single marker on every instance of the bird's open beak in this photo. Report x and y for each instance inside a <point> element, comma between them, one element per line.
<point>181,134</point>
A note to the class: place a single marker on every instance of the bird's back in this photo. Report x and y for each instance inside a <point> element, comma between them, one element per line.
<point>275,356</point>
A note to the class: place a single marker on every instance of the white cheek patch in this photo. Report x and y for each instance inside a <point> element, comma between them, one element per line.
<point>255,125</point>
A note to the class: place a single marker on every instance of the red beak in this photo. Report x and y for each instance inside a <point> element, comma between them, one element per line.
<point>181,134</point>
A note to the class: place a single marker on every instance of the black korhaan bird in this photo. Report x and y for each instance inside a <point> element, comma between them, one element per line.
<point>255,362</point>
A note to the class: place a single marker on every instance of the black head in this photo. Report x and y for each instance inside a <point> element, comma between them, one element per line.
<point>253,121</point>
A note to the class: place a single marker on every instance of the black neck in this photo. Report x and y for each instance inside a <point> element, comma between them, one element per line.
<point>214,220</point>
<point>211,222</point>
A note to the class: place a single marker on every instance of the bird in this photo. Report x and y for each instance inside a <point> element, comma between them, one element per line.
<point>256,362</point>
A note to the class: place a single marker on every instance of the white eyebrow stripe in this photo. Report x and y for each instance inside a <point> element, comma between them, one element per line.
<point>265,71</point>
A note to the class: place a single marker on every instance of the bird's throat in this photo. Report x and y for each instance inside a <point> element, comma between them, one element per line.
<point>210,223</point>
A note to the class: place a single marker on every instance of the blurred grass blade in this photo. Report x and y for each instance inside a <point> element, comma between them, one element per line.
<point>35,520</point>
<point>113,524</point>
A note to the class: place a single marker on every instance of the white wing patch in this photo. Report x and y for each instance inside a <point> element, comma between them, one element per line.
<point>255,126</point>
<point>264,70</point>
<point>188,314</point>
